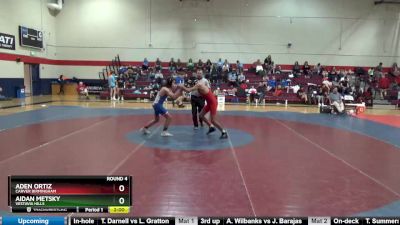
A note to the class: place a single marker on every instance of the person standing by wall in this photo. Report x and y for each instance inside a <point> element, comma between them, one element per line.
<point>61,81</point>
<point>197,101</point>
<point>112,85</point>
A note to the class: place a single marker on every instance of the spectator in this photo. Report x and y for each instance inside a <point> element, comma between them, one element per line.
<point>318,69</point>
<point>277,69</point>
<point>208,66</point>
<point>358,94</point>
<point>152,74</point>
<point>200,65</point>
<point>336,101</point>
<point>261,91</point>
<point>252,94</point>
<point>214,73</point>
<point>371,72</point>
<point>218,92</point>
<point>225,67</point>
<point>271,84</point>
<point>239,66</point>
<point>367,97</point>
<point>241,77</point>
<point>244,85</point>
<point>302,95</point>
<point>120,86</point>
<point>306,68</point>
<point>383,85</point>
<point>82,90</point>
<point>61,81</point>
<point>190,65</point>
<point>395,70</point>
<point>158,64</point>
<point>219,65</point>
<point>172,65</point>
<point>232,78</point>
<point>320,95</point>
<point>296,69</point>
<point>112,85</point>
<point>179,65</point>
<point>268,61</point>
<point>333,75</point>
<point>159,77</point>
<point>379,67</point>
<point>258,66</point>
<point>145,65</point>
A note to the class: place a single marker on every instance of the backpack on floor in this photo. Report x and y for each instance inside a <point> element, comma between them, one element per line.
<point>325,109</point>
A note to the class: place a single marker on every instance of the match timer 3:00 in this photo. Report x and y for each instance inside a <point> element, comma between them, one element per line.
<point>89,194</point>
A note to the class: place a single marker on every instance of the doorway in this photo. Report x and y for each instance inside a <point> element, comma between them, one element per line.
<point>32,79</point>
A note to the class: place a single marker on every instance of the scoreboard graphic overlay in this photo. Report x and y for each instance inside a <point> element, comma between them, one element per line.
<point>77,220</point>
<point>87,194</point>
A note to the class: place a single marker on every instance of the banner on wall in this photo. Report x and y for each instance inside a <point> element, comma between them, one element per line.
<point>7,41</point>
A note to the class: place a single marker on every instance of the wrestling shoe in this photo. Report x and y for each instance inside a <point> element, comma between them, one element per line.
<point>224,135</point>
<point>145,131</point>
<point>166,134</point>
<point>211,129</point>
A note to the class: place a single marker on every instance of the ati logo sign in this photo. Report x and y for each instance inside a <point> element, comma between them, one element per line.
<point>7,41</point>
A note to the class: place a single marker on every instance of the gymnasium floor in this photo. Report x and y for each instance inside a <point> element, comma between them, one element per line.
<point>278,161</point>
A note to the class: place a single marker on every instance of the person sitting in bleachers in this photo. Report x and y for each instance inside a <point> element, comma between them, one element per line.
<point>358,94</point>
<point>200,65</point>
<point>190,65</point>
<point>82,90</point>
<point>208,66</point>
<point>145,64</point>
<point>252,94</point>
<point>258,66</point>
<point>302,95</point>
<point>239,66</point>
<point>159,77</point>
<point>268,61</point>
<point>395,70</point>
<point>318,69</point>
<point>333,75</point>
<point>296,69</point>
<point>179,66</point>
<point>336,100</point>
<point>262,87</point>
<point>219,65</point>
<point>158,64</point>
<point>225,67</point>
<point>368,97</point>
<point>277,69</point>
<point>271,84</point>
<point>306,69</point>
<point>244,85</point>
<point>383,85</point>
<point>241,77</point>
<point>232,78</point>
<point>172,65</point>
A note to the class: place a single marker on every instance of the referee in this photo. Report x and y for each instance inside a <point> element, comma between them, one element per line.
<point>197,100</point>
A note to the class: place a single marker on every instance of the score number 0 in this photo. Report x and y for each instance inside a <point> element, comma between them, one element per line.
<point>121,200</point>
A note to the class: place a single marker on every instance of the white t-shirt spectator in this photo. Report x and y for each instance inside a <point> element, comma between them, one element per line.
<point>252,90</point>
<point>259,68</point>
<point>159,75</point>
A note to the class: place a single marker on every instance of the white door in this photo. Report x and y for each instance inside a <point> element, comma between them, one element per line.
<point>27,80</point>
